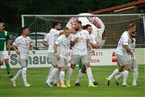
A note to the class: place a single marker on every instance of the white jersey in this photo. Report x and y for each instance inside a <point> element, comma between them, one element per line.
<point>92,40</point>
<point>63,43</point>
<point>132,48</point>
<point>53,35</point>
<point>23,44</point>
<point>80,48</point>
<point>47,38</point>
<point>124,40</point>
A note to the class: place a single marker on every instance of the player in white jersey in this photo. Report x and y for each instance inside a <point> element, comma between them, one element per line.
<point>53,35</point>
<point>61,48</point>
<point>24,44</point>
<point>132,63</point>
<point>79,43</point>
<point>94,44</point>
<point>46,43</point>
<point>121,51</point>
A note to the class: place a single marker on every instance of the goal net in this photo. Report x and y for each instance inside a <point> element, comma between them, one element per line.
<point>107,27</point>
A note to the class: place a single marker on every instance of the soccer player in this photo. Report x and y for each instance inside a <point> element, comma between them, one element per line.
<point>53,35</point>
<point>79,43</point>
<point>4,48</point>
<point>121,51</point>
<point>94,44</point>
<point>46,43</point>
<point>61,47</point>
<point>132,63</point>
<point>24,44</point>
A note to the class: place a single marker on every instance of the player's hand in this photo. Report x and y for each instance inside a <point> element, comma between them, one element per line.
<point>58,56</point>
<point>33,51</point>
<point>93,51</point>
<point>9,52</point>
<point>132,56</point>
<point>77,39</point>
<point>18,52</point>
<point>72,31</point>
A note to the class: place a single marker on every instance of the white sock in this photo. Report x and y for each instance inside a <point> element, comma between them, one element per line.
<point>125,76</point>
<point>80,75</point>
<point>24,74</point>
<point>56,77</point>
<point>135,76</point>
<point>70,72</point>
<point>115,72</point>
<point>62,74</point>
<point>120,75</point>
<point>50,71</point>
<point>19,73</point>
<point>52,74</point>
<point>89,74</point>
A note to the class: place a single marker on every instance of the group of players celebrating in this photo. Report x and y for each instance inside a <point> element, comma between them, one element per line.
<point>82,42</point>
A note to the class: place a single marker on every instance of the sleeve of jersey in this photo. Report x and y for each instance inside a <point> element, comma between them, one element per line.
<point>16,42</point>
<point>125,40</point>
<point>58,41</point>
<point>57,33</point>
<point>46,37</point>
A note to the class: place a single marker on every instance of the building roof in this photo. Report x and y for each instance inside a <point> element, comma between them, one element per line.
<point>139,2</point>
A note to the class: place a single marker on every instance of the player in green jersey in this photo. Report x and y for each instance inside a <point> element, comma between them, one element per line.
<point>4,48</point>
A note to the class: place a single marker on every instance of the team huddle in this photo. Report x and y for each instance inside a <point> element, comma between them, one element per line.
<point>82,43</point>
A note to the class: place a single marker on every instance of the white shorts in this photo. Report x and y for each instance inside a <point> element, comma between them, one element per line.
<point>122,61</point>
<point>53,59</point>
<point>89,56</point>
<point>75,59</point>
<point>63,62</point>
<point>4,55</point>
<point>23,62</point>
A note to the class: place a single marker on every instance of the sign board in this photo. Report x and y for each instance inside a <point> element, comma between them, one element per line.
<point>40,59</point>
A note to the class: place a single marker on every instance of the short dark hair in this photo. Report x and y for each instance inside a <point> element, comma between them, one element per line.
<point>65,28</point>
<point>88,25</point>
<point>23,28</point>
<point>79,22</point>
<point>131,25</point>
<point>55,23</point>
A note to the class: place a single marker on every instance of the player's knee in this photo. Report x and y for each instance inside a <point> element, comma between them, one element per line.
<point>6,61</point>
<point>87,65</point>
<point>1,63</point>
<point>73,66</point>
<point>55,66</point>
<point>120,69</point>
<point>63,69</point>
<point>127,67</point>
<point>83,70</point>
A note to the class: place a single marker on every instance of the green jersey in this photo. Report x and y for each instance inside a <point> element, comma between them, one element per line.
<point>4,37</point>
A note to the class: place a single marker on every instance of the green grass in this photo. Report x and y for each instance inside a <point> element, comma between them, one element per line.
<point>36,77</point>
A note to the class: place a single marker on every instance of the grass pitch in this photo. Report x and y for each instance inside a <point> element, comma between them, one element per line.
<point>36,77</point>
